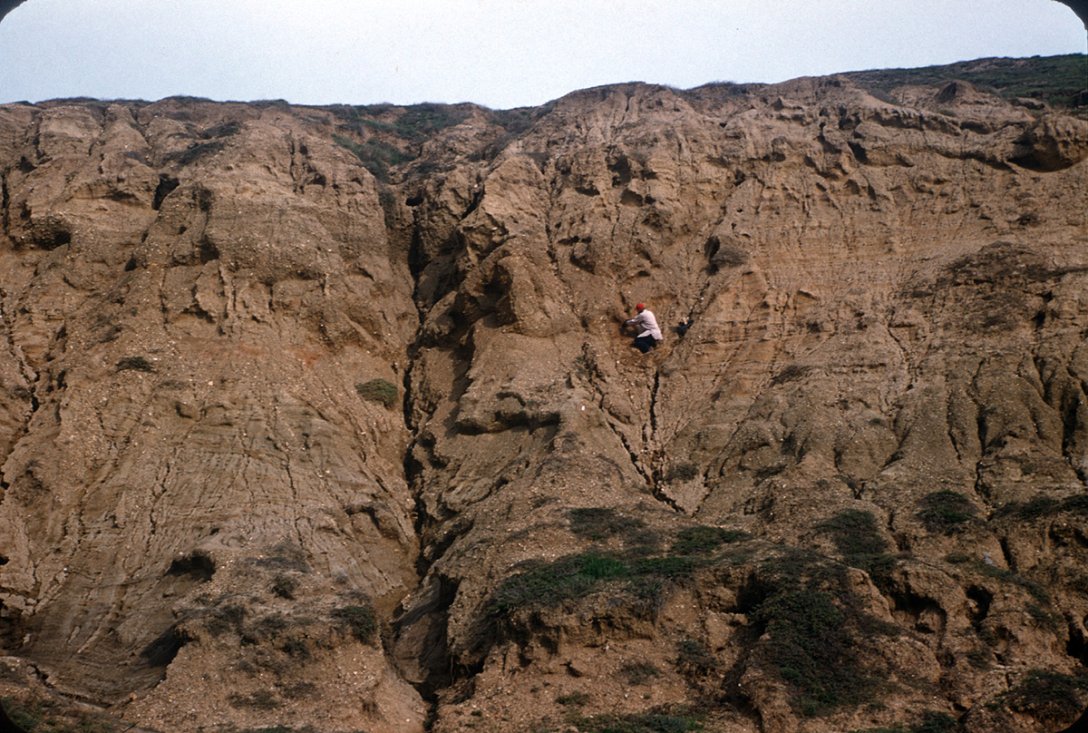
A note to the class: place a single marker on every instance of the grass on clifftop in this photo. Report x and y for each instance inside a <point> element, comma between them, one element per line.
<point>1052,79</point>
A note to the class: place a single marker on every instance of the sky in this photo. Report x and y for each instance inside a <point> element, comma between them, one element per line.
<point>499,53</point>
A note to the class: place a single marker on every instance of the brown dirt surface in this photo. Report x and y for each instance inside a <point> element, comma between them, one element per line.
<point>321,419</point>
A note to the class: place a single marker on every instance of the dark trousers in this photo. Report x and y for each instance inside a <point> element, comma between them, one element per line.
<point>644,343</point>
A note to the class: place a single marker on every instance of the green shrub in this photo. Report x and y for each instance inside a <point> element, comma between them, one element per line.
<point>600,523</point>
<point>284,586</point>
<point>360,620</point>
<point>1044,506</point>
<point>685,471</point>
<point>814,630</point>
<point>381,391</point>
<point>573,698</point>
<point>259,700</point>
<point>857,538</point>
<point>934,722</point>
<point>195,152</point>
<point>664,721</point>
<point>575,576</point>
<point>701,540</point>
<point>227,616</point>
<point>377,156</point>
<point>1049,696</point>
<point>420,122</point>
<point>931,722</point>
<point>694,658</point>
<point>44,715</point>
<point>1036,591</point>
<point>639,673</point>
<point>811,650</point>
<point>945,511</point>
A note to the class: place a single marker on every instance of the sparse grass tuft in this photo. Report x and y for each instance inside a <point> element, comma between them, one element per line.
<point>381,391</point>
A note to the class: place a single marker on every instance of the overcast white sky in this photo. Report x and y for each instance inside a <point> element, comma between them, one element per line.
<point>500,53</point>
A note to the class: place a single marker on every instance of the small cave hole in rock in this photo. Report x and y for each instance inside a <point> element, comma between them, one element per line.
<point>197,564</point>
<point>980,604</point>
<point>208,251</point>
<point>166,186</point>
<point>414,200</point>
<point>161,651</point>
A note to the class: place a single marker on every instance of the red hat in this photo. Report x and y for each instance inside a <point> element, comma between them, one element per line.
<point>639,306</point>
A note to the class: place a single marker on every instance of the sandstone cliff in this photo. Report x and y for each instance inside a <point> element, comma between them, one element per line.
<point>321,419</point>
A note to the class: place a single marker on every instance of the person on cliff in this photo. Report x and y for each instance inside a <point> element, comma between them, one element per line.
<point>649,335</point>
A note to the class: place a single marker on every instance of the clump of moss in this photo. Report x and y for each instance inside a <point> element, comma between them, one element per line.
<point>811,649</point>
<point>381,391</point>
<point>945,512</point>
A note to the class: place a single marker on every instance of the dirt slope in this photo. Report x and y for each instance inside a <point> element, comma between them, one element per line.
<point>322,417</point>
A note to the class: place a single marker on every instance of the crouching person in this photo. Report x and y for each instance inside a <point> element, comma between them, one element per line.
<point>645,324</point>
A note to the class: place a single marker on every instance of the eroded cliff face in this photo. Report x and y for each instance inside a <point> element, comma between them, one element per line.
<point>289,445</point>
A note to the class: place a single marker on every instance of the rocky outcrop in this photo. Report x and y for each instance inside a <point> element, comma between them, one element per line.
<point>322,417</point>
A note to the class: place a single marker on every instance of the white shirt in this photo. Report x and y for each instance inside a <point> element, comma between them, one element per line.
<point>646,321</point>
